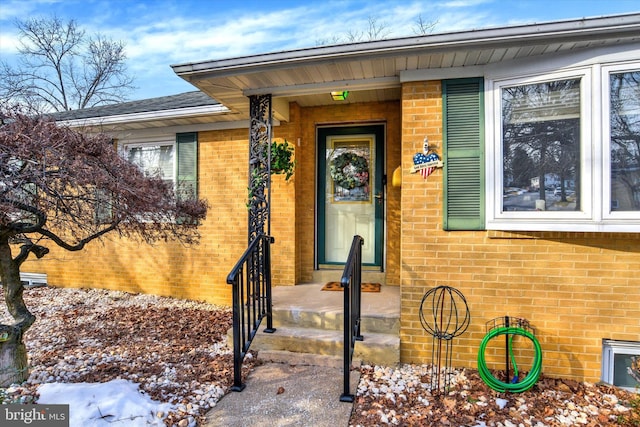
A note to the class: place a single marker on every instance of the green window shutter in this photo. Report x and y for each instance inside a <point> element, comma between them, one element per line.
<point>187,174</point>
<point>463,128</point>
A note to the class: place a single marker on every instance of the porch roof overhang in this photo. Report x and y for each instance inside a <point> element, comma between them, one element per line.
<point>375,70</point>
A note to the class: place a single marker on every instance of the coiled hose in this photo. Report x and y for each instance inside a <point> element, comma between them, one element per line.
<point>514,386</point>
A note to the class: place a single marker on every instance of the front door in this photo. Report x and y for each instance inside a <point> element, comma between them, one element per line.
<point>350,193</point>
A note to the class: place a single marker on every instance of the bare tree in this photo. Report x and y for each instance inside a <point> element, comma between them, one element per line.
<point>60,68</point>
<point>60,187</point>
<point>375,30</point>
<point>424,27</point>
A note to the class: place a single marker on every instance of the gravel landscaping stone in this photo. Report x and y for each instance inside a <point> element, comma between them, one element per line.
<point>177,351</point>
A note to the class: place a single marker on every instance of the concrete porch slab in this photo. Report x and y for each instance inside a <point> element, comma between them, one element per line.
<point>310,297</point>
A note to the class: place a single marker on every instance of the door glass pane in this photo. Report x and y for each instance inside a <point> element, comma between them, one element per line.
<point>349,206</point>
<point>541,146</point>
<point>625,141</point>
<point>349,172</point>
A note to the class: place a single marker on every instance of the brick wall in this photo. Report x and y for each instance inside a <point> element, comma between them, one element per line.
<point>200,272</point>
<point>574,288</point>
<point>283,209</point>
<point>170,269</point>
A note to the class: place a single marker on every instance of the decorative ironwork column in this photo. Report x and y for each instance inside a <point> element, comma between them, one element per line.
<point>259,166</point>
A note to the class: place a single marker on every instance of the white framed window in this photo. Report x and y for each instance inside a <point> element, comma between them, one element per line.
<point>621,138</point>
<point>621,364</point>
<point>154,158</point>
<point>173,158</point>
<point>563,150</point>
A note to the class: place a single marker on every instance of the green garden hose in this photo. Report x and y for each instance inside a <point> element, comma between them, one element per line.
<point>515,386</point>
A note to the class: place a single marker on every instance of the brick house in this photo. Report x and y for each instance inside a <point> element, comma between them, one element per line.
<point>499,106</point>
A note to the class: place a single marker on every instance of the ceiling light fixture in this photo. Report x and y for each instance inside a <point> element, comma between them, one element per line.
<point>339,95</point>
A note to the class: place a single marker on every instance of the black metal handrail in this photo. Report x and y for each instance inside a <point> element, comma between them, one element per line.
<point>252,300</point>
<point>352,283</point>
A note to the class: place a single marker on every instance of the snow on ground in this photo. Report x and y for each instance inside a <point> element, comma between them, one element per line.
<point>114,403</point>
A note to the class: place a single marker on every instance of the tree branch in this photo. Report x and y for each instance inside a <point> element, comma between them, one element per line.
<point>19,227</point>
<point>81,243</point>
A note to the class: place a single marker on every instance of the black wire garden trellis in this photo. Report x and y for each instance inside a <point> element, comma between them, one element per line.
<point>444,313</point>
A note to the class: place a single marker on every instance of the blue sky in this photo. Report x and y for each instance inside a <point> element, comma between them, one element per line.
<point>158,33</point>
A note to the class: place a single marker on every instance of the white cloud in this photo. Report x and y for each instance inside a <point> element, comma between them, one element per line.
<point>10,11</point>
<point>464,3</point>
<point>458,21</point>
<point>19,9</point>
<point>8,44</point>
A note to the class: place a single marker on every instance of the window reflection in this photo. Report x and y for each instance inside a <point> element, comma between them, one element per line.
<point>625,141</point>
<point>541,146</point>
<point>154,160</point>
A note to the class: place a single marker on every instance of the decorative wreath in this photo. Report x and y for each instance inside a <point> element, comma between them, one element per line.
<point>348,170</point>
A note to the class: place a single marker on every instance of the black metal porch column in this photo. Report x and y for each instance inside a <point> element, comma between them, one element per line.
<point>259,272</point>
<point>259,166</point>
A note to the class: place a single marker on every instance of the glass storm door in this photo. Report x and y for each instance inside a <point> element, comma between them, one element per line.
<point>350,193</point>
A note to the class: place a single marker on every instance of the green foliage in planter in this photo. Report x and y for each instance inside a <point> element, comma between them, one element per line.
<point>282,163</point>
<point>281,159</point>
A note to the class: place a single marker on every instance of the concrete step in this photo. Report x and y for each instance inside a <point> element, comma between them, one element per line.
<point>305,359</point>
<point>376,348</point>
<point>310,321</point>
<point>333,319</point>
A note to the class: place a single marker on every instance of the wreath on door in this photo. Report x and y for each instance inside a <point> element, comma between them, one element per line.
<point>349,170</point>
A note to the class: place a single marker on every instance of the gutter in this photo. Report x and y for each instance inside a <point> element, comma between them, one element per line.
<point>178,113</point>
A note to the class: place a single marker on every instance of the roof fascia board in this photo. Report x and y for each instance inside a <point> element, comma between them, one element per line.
<point>537,64</point>
<point>561,31</point>
<point>151,134</point>
<point>180,113</point>
<point>425,74</point>
<point>157,133</point>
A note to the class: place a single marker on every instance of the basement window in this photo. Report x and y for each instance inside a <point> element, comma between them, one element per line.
<point>33,280</point>
<point>621,364</point>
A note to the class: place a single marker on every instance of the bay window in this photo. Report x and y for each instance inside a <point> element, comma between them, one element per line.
<point>624,141</point>
<point>563,150</point>
<point>541,146</point>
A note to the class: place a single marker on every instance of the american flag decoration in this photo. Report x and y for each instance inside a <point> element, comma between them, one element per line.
<point>425,163</point>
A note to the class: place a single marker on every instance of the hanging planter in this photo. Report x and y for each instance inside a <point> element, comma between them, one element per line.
<point>282,162</point>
